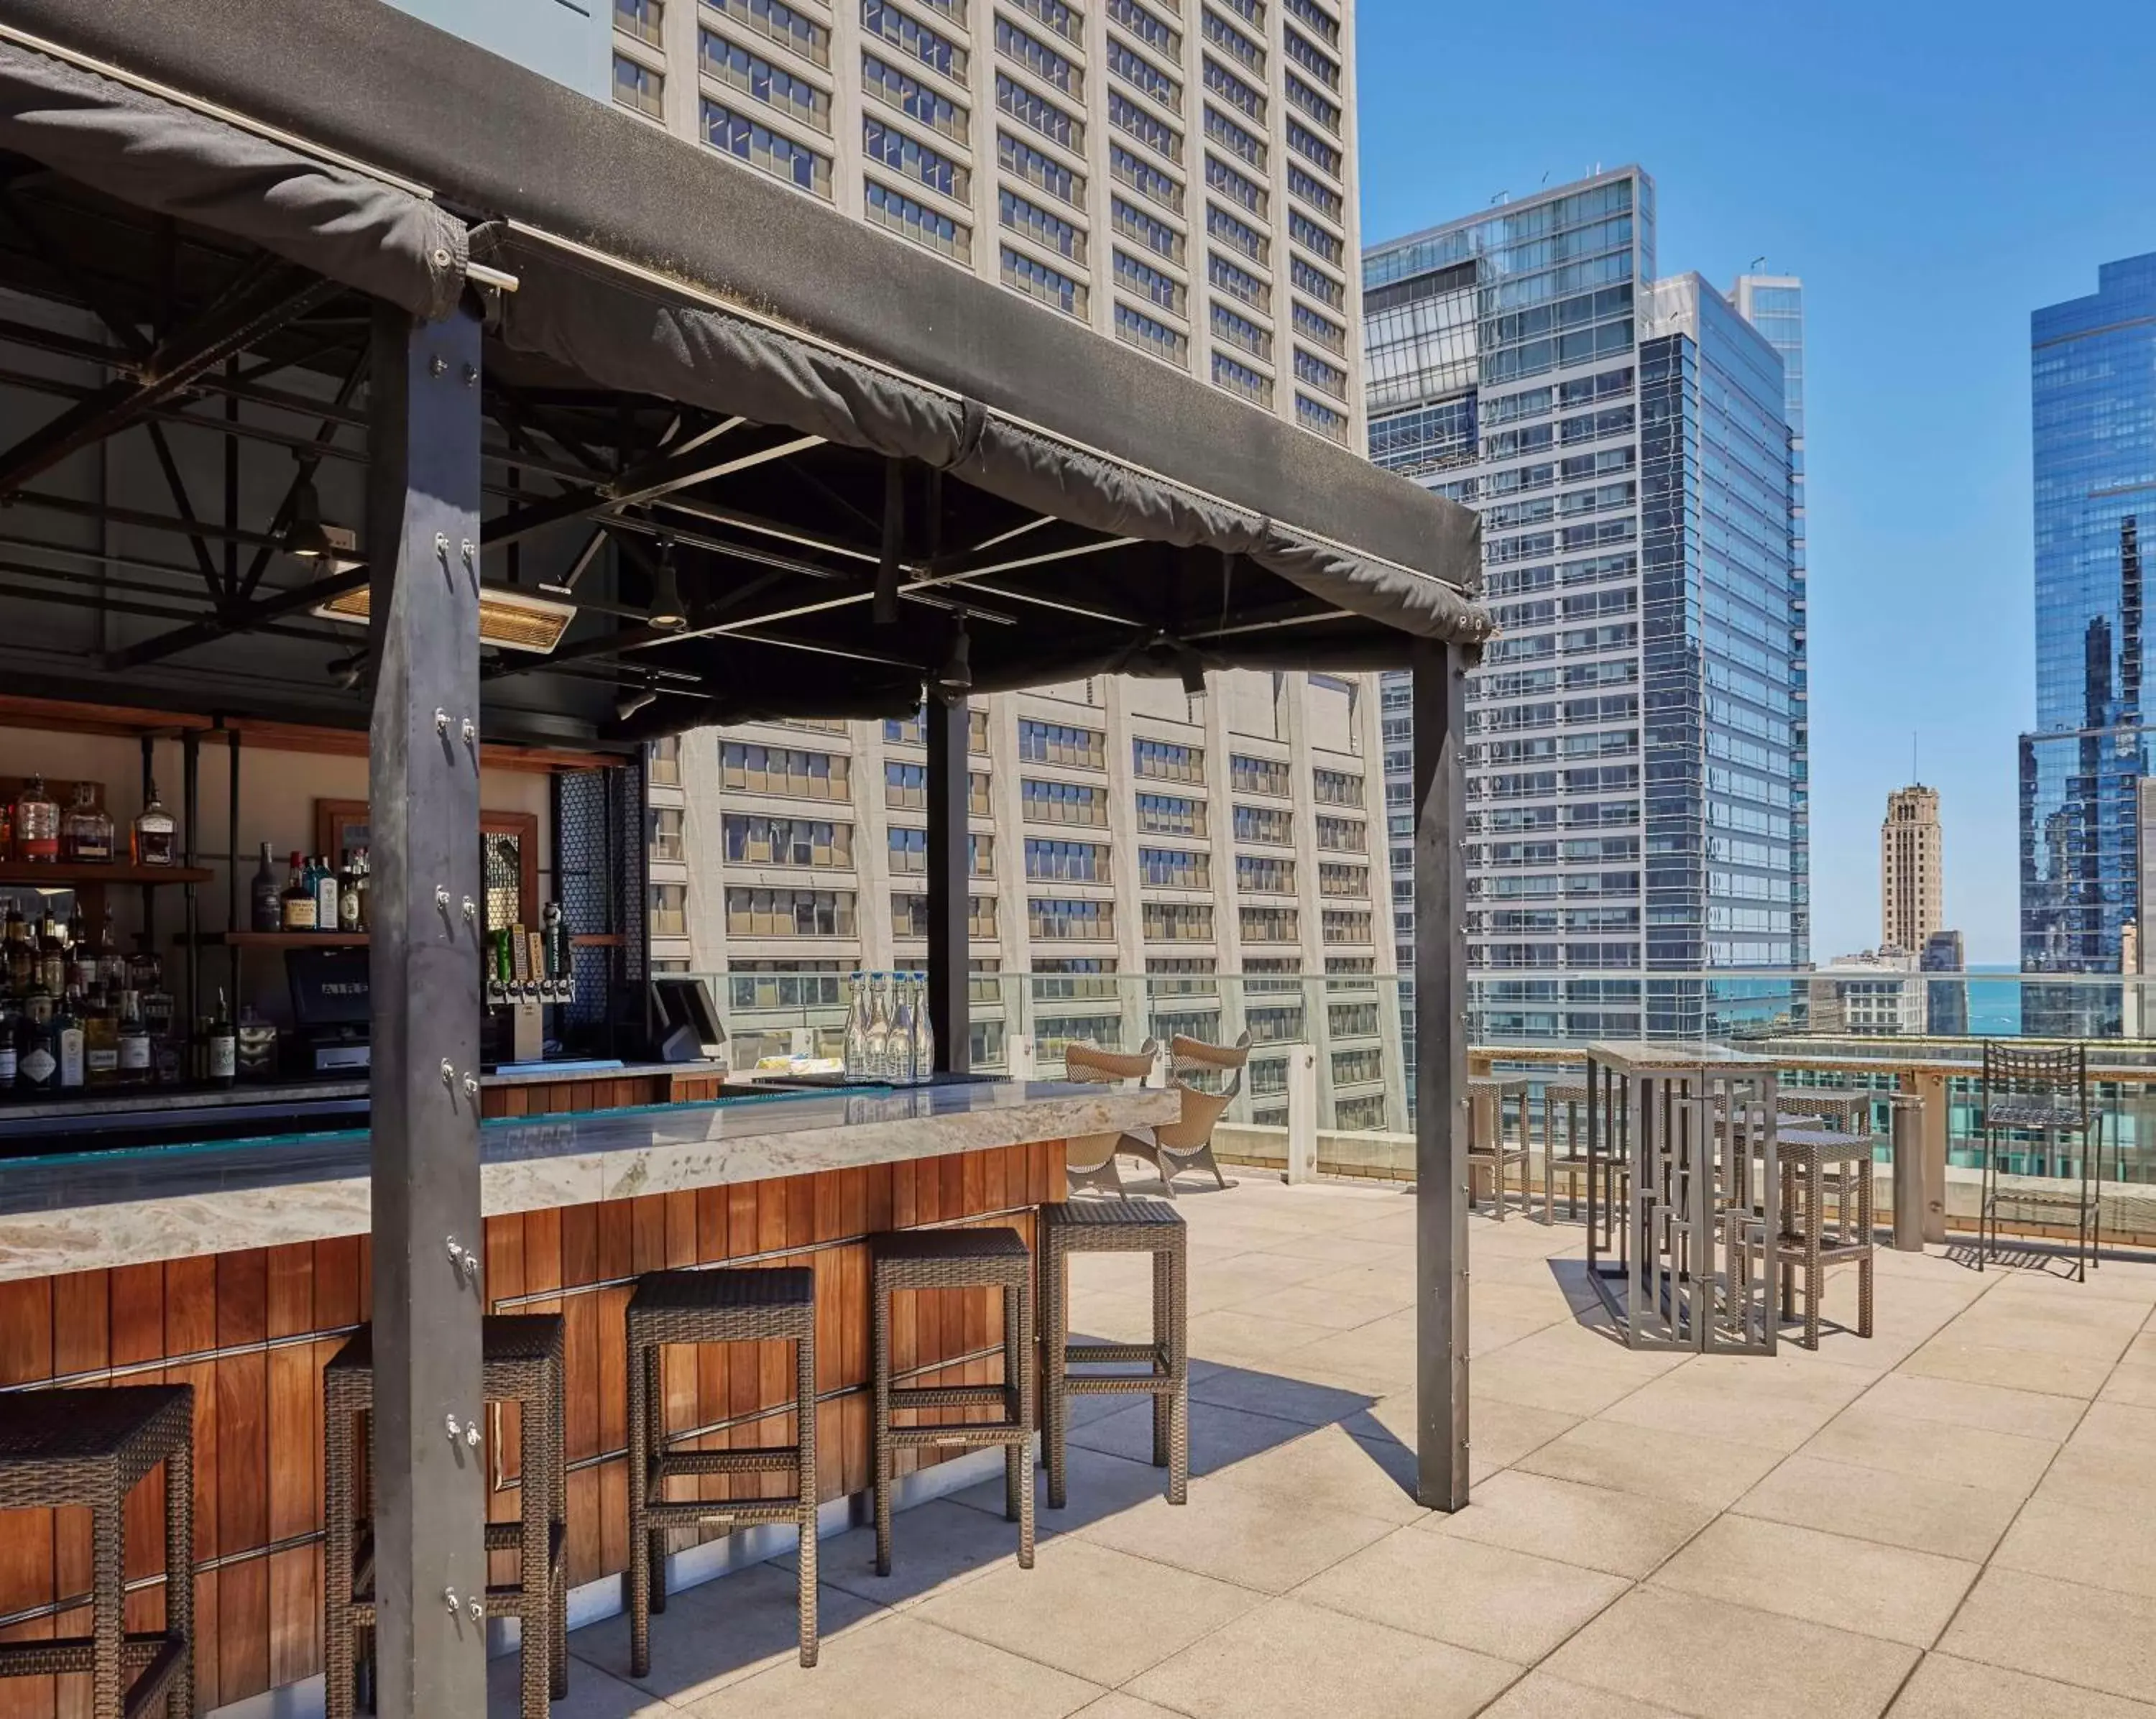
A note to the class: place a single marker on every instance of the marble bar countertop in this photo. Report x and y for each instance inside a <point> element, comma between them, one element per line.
<point>90,1211</point>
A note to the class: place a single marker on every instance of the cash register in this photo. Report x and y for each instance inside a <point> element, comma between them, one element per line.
<point>330,1009</point>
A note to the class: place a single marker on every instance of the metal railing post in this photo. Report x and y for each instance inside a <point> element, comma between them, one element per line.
<point>1302,1114</point>
<point>1908,1109</point>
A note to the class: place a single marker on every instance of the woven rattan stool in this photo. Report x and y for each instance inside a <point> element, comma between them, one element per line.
<point>738,1305</point>
<point>955,1260</point>
<point>1813,1164</point>
<point>520,1359</point>
<point>1122,1226</point>
<point>87,1449</point>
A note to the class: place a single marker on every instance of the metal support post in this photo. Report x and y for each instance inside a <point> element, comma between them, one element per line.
<point>1907,1112</point>
<point>950,874</point>
<point>1933,1089</point>
<point>1302,1114</point>
<point>1441,1077</point>
<point>423,760</point>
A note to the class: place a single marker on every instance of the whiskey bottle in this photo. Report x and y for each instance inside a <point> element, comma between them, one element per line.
<point>348,895</point>
<point>222,1062</point>
<point>269,907</point>
<point>37,824</point>
<point>100,1040</point>
<point>52,955</point>
<point>134,1062</point>
<point>86,832</point>
<point>22,954</point>
<point>298,900</point>
<point>82,959</point>
<point>11,1027</point>
<point>153,839</point>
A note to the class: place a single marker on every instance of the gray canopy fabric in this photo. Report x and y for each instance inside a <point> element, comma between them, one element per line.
<point>161,156</point>
<point>628,333</point>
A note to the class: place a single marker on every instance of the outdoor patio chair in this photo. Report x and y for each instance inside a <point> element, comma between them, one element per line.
<point>1090,1161</point>
<point>2042,1092</point>
<point>1187,1142</point>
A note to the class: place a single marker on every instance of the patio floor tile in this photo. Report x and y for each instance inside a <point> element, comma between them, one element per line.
<point>1915,1511</point>
<point>1235,1534</point>
<point>2063,1630</point>
<point>1598,1529</point>
<point>1677,1466</point>
<point>1943,1687</point>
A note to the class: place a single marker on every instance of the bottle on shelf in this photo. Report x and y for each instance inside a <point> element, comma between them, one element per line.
<point>86,831</point>
<point>7,829</point>
<point>22,954</point>
<point>900,1072</point>
<point>38,1063</point>
<point>67,1028</point>
<point>135,1067</point>
<point>326,893</point>
<point>879,1034</point>
<point>363,882</point>
<point>855,1063</point>
<point>100,1039</point>
<point>153,839</point>
<point>112,964</point>
<point>924,1033</point>
<point>11,1027</point>
<point>298,900</point>
<point>52,955</point>
<point>267,912</point>
<point>81,958</point>
<point>223,1046</point>
<point>160,1019</point>
<point>347,888</point>
<point>37,824</point>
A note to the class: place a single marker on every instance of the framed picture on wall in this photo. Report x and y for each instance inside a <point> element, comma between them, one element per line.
<point>509,854</point>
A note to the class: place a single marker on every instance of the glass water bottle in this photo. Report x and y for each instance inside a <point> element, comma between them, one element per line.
<point>856,1065</point>
<point>902,1030</point>
<point>877,1066</point>
<point>924,1033</point>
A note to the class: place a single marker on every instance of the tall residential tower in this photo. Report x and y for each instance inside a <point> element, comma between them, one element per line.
<point>2092,374</point>
<point>1911,870</point>
<point>1632,759</point>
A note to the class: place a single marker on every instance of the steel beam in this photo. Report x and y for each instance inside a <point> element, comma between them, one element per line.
<point>423,760</point>
<point>223,624</point>
<point>1441,1077</point>
<point>950,886</point>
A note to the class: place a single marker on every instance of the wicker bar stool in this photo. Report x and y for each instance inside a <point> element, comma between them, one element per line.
<point>738,1305</point>
<point>1487,1095</point>
<point>1814,1163</point>
<point>1569,1096</point>
<point>521,1362</point>
<point>910,1259</point>
<point>1102,1226</point>
<point>87,1449</point>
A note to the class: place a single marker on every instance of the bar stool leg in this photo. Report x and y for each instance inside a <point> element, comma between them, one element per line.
<point>558,1515</point>
<point>339,1673</point>
<point>536,1519</point>
<point>804,1439</point>
<point>1162,1318</point>
<point>1020,1461</point>
<point>654,1546</point>
<point>108,1606</point>
<point>1054,1366</point>
<point>179,1574</point>
<point>1178,1361</point>
<point>639,1531</point>
<point>880,1428</point>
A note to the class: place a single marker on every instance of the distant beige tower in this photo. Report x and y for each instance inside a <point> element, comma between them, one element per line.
<point>1911,868</point>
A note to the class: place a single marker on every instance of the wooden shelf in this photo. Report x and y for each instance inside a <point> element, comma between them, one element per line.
<point>65,875</point>
<point>282,940</point>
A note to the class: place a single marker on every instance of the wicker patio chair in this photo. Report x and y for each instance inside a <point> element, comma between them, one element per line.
<point>1187,1142</point>
<point>1090,1159</point>
<point>2043,1092</point>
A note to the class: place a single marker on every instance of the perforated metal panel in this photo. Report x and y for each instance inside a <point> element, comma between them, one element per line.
<point>599,880</point>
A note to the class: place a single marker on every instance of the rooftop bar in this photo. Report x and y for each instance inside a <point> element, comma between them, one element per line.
<point>368,488</point>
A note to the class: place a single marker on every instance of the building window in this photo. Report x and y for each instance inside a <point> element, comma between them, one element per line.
<point>881,18</point>
<point>917,221</point>
<point>1257,876</point>
<point>1059,743</point>
<point>917,161</point>
<point>1322,329</point>
<point>1183,975</point>
<point>1239,330</point>
<point>754,769</point>
<point>1352,1020</point>
<point>1156,236</point>
<point>670,909</point>
<point>1239,235</point>
<point>1336,787</point>
<point>663,761</point>
<point>1053,921</point>
<point>666,833</point>
<point>1149,283</point>
<point>1279,1024</point>
<point>1044,228</point>
<point>1265,825</point>
<point>1018,157</point>
<point>1316,16</point>
<point>1318,194</point>
<point>1175,867</point>
<point>1340,925</point>
<point>1236,186</point>
<point>1062,20</point>
<point>1075,978</point>
<point>1270,925</point>
<point>1177,921</point>
<point>1145,179</point>
<point>1044,116</point>
<point>1050,861</point>
<point>1308,233</point>
<point>913,98</point>
<point>1238,282</point>
<point>789,913</point>
<point>1126,116</point>
<point>1343,836</point>
<point>1317,283</point>
<point>1170,815</point>
<point>1063,802</point>
<point>643,19</point>
<point>1259,775</point>
<point>758,78</point>
<point>1306,142</point>
<point>1043,62</point>
<point>1225,36</point>
<point>909,918</point>
<point>1234,138</point>
<point>1241,379</point>
<point>1231,89</point>
<point>782,24</point>
<point>1037,280</point>
<point>764,985</point>
<point>1165,760</point>
<point>1312,415</point>
<point>1344,880</point>
<point>639,87</point>
<point>908,851</point>
<point>756,840</point>
<point>759,146</point>
<point>1135,328</point>
<point>1152,31</point>
<point>1318,373</point>
<point>1142,75</point>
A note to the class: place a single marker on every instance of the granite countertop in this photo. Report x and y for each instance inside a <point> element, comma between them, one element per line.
<point>94,1210</point>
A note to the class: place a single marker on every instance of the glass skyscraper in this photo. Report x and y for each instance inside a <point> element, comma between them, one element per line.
<point>1634,730</point>
<point>2092,374</point>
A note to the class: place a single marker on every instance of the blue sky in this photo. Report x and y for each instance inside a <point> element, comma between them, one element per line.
<point>1934,172</point>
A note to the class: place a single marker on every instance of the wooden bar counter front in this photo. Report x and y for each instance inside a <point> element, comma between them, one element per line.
<point>239,1269</point>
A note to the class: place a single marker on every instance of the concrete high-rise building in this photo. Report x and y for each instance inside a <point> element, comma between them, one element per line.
<point>1214,851</point>
<point>2092,373</point>
<point>1633,766</point>
<point>1911,870</point>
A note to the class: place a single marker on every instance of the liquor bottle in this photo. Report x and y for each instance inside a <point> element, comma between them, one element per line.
<point>38,1066</point>
<point>7,829</point>
<point>81,957</point>
<point>134,1062</point>
<point>86,831</point>
<point>100,1039</point>
<point>326,893</point>
<point>269,909</point>
<point>67,1029</point>
<point>223,1046</point>
<point>22,954</point>
<point>347,888</point>
<point>167,1053</point>
<point>112,964</point>
<point>11,1027</point>
<point>153,839</point>
<point>298,900</point>
<point>364,868</point>
<point>37,824</point>
<point>52,955</point>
